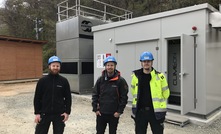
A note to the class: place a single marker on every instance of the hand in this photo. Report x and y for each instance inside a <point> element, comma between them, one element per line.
<point>98,113</point>
<point>65,116</point>
<point>37,118</point>
<point>116,114</point>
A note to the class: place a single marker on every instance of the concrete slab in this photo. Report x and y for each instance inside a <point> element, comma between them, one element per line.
<point>177,119</point>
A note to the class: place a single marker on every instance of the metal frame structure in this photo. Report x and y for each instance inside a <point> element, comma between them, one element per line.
<point>66,12</point>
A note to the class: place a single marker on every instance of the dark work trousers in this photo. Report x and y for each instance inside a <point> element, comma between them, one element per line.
<point>57,122</point>
<point>105,119</point>
<point>143,117</point>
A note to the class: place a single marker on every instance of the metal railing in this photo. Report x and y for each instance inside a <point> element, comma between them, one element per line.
<point>106,14</point>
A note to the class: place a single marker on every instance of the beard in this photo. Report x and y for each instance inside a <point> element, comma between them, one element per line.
<point>110,72</point>
<point>147,69</point>
<point>54,71</point>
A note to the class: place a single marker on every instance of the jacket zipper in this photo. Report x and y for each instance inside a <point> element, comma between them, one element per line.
<point>52,100</point>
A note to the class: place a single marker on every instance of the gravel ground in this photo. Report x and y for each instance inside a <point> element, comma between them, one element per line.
<point>16,113</point>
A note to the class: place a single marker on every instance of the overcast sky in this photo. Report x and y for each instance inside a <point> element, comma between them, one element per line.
<point>2,3</point>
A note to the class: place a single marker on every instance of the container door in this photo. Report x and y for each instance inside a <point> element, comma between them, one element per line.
<point>128,56</point>
<point>187,74</point>
<point>126,62</point>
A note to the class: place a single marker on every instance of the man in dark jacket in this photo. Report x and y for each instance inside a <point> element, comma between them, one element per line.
<point>52,100</point>
<point>109,97</point>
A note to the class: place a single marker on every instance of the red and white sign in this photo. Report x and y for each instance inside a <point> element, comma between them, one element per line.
<point>100,59</point>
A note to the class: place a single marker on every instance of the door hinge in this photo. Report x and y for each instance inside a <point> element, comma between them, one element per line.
<point>116,51</point>
<point>195,45</point>
<point>157,48</point>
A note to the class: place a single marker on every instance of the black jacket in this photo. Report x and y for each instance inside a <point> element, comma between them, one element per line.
<point>110,94</point>
<point>52,95</point>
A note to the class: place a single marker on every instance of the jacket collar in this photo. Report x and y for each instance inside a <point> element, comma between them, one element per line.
<point>112,78</point>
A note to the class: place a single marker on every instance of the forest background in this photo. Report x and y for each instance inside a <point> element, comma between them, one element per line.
<point>18,18</point>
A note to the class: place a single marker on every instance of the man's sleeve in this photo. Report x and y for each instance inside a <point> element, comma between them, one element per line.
<point>165,88</point>
<point>95,95</point>
<point>123,89</point>
<point>38,97</point>
<point>68,98</point>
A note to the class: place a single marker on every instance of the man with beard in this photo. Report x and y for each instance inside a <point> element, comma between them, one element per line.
<point>52,100</point>
<point>150,92</point>
<point>109,97</point>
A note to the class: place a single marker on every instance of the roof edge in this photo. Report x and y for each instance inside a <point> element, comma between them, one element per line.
<point>155,16</point>
<point>25,40</point>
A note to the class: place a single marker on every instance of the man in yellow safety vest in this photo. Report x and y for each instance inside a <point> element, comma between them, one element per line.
<point>150,92</point>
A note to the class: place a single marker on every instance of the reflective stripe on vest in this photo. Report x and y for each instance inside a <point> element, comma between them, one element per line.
<point>159,104</point>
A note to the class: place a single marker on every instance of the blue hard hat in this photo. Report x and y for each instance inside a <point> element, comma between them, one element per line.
<point>54,59</point>
<point>146,56</point>
<point>110,59</point>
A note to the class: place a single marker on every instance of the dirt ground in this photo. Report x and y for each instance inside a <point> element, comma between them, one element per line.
<point>16,113</point>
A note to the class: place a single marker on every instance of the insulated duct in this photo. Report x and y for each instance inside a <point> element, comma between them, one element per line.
<point>215,20</point>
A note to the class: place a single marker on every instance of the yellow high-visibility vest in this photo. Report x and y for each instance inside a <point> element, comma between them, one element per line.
<point>159,91</point>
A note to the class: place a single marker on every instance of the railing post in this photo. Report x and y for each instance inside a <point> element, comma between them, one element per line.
<point>105,10</point>
<point>219,7</point>
<point>67,10</point>
<point>125,16</point>
<point>59,17</point>
<point>76,9</point>
<point>79,7</point>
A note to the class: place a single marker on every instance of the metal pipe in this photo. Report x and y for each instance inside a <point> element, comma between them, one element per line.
<point>59,17</point>
<point>76,10</point>
<point>67,10</point>
<point>62,2</point>
<point>105,10</point>
<point>63,11</point>
<point>219,7</point>
<point>79,7</point>
<point>111,5</point>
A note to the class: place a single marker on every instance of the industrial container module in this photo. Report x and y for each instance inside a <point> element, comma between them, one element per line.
<point>186,44</point>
